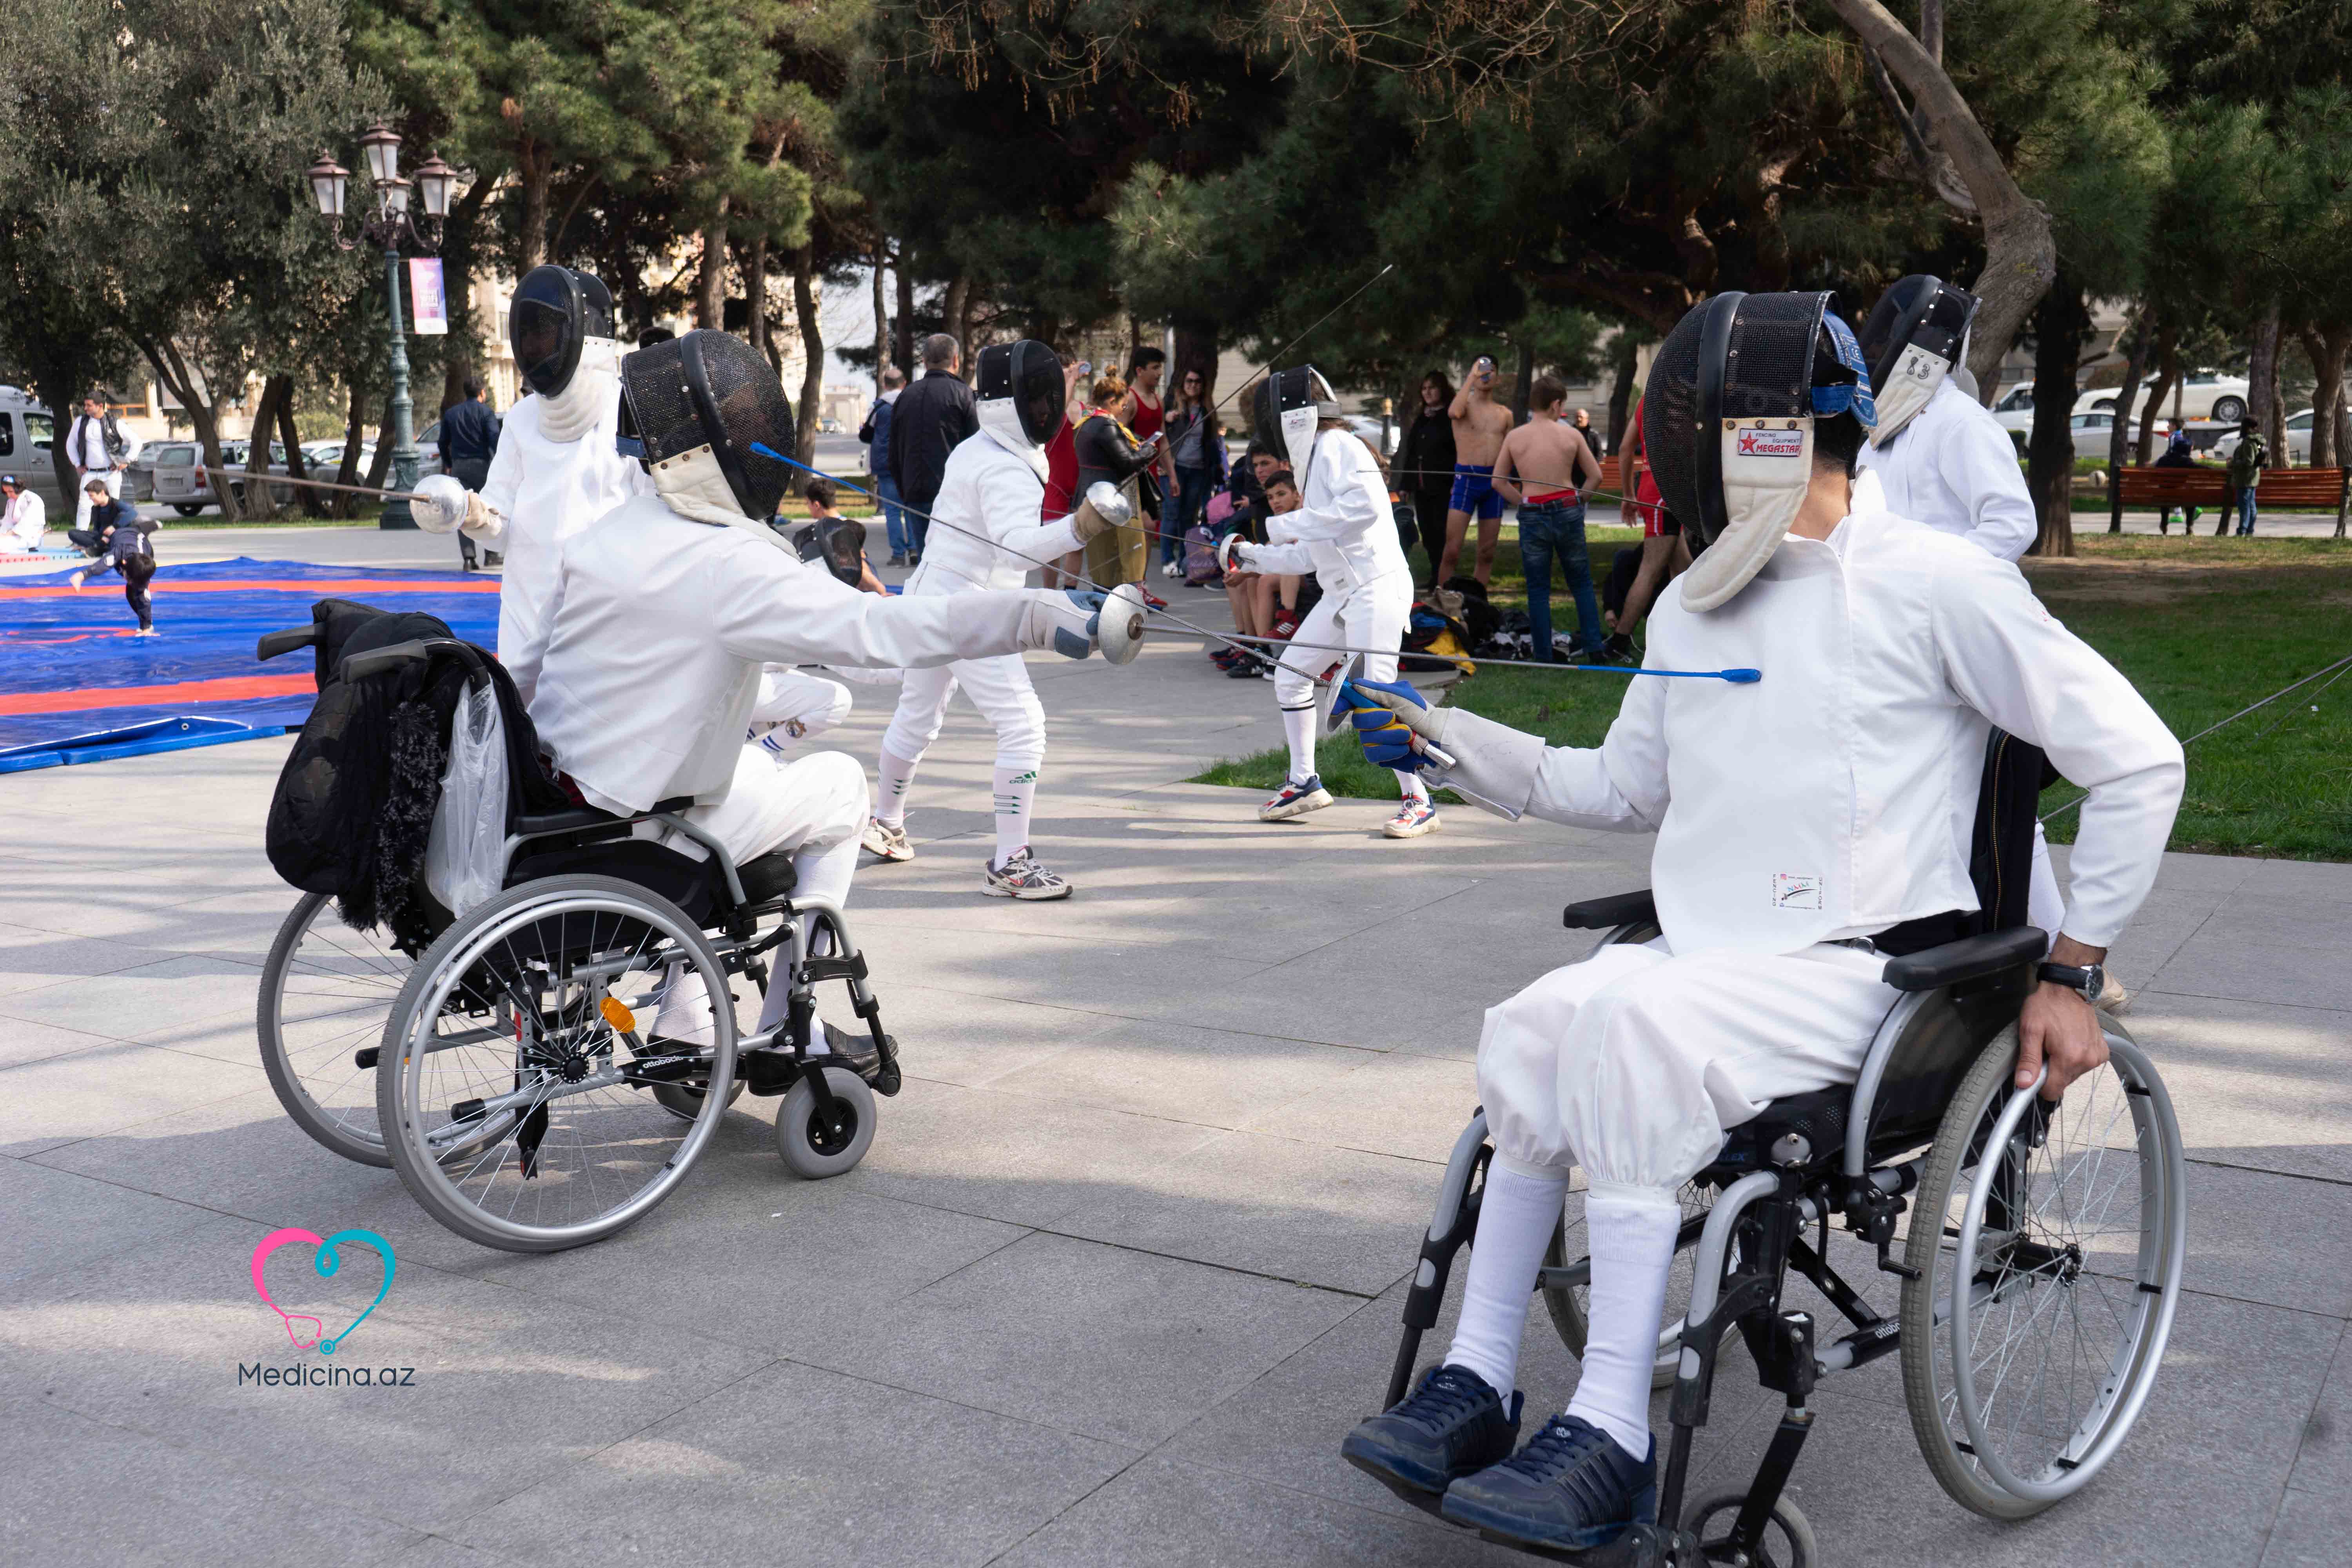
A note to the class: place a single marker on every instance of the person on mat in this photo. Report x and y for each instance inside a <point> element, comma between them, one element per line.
<point>123,548</point>
<point>989,536</point>
<point>1343,532</point>
<point>1804,823</point>
<point>664,615</point>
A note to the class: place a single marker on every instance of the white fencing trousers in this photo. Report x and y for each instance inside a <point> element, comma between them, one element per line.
<point>793,697</point>
<point>1633,1063</point>
<point>999,686</point>
<point>814,806</point>
<point>1372,616</point>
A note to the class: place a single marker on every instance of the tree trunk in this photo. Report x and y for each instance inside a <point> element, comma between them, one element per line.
<point>1526,379</point>
<point>306,500</point>
<point>534,175</point>
<point>258,500</point>
<point>2021,256</point>
<point>1196,351</point>
<point>2168,377</point>
<point>881,319</point>
<point>2119,438</point>
<point>951,312</point>
<point>755,296</point>
<point>381,464</point>
<point>710,288</point>
<point>163,355</point>
<point>904,325</point>
<point>347,472</point>
<point>812,347</point>
<point>2327,347</point>
<point>2060,323</point>
<point>2261,378</point>
<point>1627,350</point>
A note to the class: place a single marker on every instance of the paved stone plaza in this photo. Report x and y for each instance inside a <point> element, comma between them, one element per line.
<point>1124,1263</point>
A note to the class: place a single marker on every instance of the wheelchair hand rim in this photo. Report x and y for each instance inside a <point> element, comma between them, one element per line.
<point>2150,1325</point>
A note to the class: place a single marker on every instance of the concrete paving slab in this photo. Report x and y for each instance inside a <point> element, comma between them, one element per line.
<point>793,1464</point>
<point>2265,1087</point>
<point>109,1087</point>
<point>27,1042</point>
<point>2309,1531</point>
<point>1116,1345</point>
<point>1205,1076</point>
<point>60,1219</point>
<point>2324,1462</point>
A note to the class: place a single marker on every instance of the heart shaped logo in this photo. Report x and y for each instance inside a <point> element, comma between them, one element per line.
<point>308,1331</point>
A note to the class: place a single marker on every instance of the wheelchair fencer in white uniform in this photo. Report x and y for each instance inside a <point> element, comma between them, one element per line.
<point>1806,831</point>
<point>511,1094</point>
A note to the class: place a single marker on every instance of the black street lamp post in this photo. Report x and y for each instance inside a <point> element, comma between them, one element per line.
<point>391,225</point>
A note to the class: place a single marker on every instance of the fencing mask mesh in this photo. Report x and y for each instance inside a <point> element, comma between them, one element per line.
<point>695,403</point>
<point>1728,421</point>
<point>1284,410</point>
<point>1912,342</point>
<point>555,312</point>
<point>1020,394</point>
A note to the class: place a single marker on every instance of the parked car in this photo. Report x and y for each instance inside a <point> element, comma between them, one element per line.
<point>2204,395</point>
<point>175,478</point>
<point>1368,427</point>
<point>428,453</point>
<point>2095,432</point>
<point>139,472</point>
<point>27,431</point>
<point>2298,441</point>
<point>2014,412</point>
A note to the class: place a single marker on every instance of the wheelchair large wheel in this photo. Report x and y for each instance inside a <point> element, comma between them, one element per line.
<point>326,994</point>
<point>2048,1241</point>
<point>1568,1303</point>
<point>517,1071</point>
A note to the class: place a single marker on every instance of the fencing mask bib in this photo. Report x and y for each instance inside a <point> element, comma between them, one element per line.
<point>559,327</point>
<point>1912,342</point>
<point>1284,410</point>
<point>1728,421</point>
<point>1020,395</point>
<point>695,405</point>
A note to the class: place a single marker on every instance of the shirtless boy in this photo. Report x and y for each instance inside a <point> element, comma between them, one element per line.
<point>1479,425</point>
<point>1545,468</point>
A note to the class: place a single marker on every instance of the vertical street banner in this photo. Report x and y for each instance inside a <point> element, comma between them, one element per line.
<point>432,306</point>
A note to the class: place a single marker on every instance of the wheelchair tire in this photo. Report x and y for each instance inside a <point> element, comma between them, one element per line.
<point>2044,1218</point>
<point>325,996</point>
<point>1788,1535</point>
<point>516,1121</point>
<point>810,1148</point>
<point>684,1101</point>
<point>1566,1302</point>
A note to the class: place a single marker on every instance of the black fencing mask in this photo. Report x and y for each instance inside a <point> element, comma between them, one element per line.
<point>1285,410</point>
<point>1020,394</point>
<point>1912,342</point>
<point>555,318</point>
<point>695,405</point>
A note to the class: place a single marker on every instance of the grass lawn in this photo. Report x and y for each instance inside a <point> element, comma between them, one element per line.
<point>2203,627</point>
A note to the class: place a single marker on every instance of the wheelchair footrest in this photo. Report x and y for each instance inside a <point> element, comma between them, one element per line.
<point>1643,1546</point>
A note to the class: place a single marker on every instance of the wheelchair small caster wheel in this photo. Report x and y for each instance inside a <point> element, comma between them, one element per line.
<point>813,1145</point>
<point>1787,1539</point>
<point>684,1101</point>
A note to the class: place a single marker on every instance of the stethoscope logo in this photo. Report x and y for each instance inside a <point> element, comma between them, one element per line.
<point>326,1260</point>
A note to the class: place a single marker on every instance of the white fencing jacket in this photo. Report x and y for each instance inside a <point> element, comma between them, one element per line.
<point>544,492</point>
<point>1836,797</point>
<point>1343,531</point>
<point>1954,468</point>
<point>657,631</point>
<point>987,534</point>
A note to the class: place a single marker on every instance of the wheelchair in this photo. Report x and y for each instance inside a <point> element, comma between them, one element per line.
<point>503,1061</point>
<point>2039,1268</point>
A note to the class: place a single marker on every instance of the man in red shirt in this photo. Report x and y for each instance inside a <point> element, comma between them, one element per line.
<point>1145,367</point>
<point>1062,473</point>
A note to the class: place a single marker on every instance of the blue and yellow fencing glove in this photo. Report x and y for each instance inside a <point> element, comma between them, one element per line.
<point>1387,715</point>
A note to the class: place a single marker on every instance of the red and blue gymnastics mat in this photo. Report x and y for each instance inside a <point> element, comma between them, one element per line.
<point>76,685</point>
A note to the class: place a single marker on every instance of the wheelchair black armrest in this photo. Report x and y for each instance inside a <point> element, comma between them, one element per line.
<point>275,643</point>
<point>1616,909</point>
<point>1970,958</point>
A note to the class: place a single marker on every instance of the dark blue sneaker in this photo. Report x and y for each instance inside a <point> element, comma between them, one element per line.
<point>1571,1489</point>
<point>1452,1424</point>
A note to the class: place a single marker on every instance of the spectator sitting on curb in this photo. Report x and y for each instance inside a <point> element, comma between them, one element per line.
<point>108,514</point>
<point>26,517</point>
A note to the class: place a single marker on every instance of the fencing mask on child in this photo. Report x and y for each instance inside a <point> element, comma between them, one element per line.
<point>1912,342</point>
<point>1286,410</point>
<point>1728,421</point>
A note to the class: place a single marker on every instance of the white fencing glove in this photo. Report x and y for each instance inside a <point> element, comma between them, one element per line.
<point>1104,509</point>
<point>442,505</point>
<point>1064,619</point>
<point>1489,764</point>
<point>1231,556</point>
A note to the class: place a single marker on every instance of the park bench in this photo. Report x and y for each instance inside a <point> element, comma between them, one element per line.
<point>2203,486</point>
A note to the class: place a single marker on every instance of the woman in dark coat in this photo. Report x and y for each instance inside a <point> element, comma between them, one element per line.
<point>1423,468</point>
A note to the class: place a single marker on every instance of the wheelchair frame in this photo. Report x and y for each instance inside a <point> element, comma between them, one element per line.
<point>1768,1199</point>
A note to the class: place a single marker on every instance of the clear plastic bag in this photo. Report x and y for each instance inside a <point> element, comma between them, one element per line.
<point>464,859</point>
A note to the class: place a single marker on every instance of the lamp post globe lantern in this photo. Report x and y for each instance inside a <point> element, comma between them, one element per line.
<point>434,179</point>
<point>382,145</point>
<point>329,182</point>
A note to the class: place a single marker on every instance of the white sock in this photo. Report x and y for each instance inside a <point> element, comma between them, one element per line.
<point>1632,1233</point>
<point>893,774</point>
<point>1016,793</point>
<point>1516,1219</point>
<point>1299,728</point>
<point>1413,787</point>
<point>826,873</point>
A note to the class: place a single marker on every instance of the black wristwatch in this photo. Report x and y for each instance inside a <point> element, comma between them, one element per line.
<point>2090,979</point>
